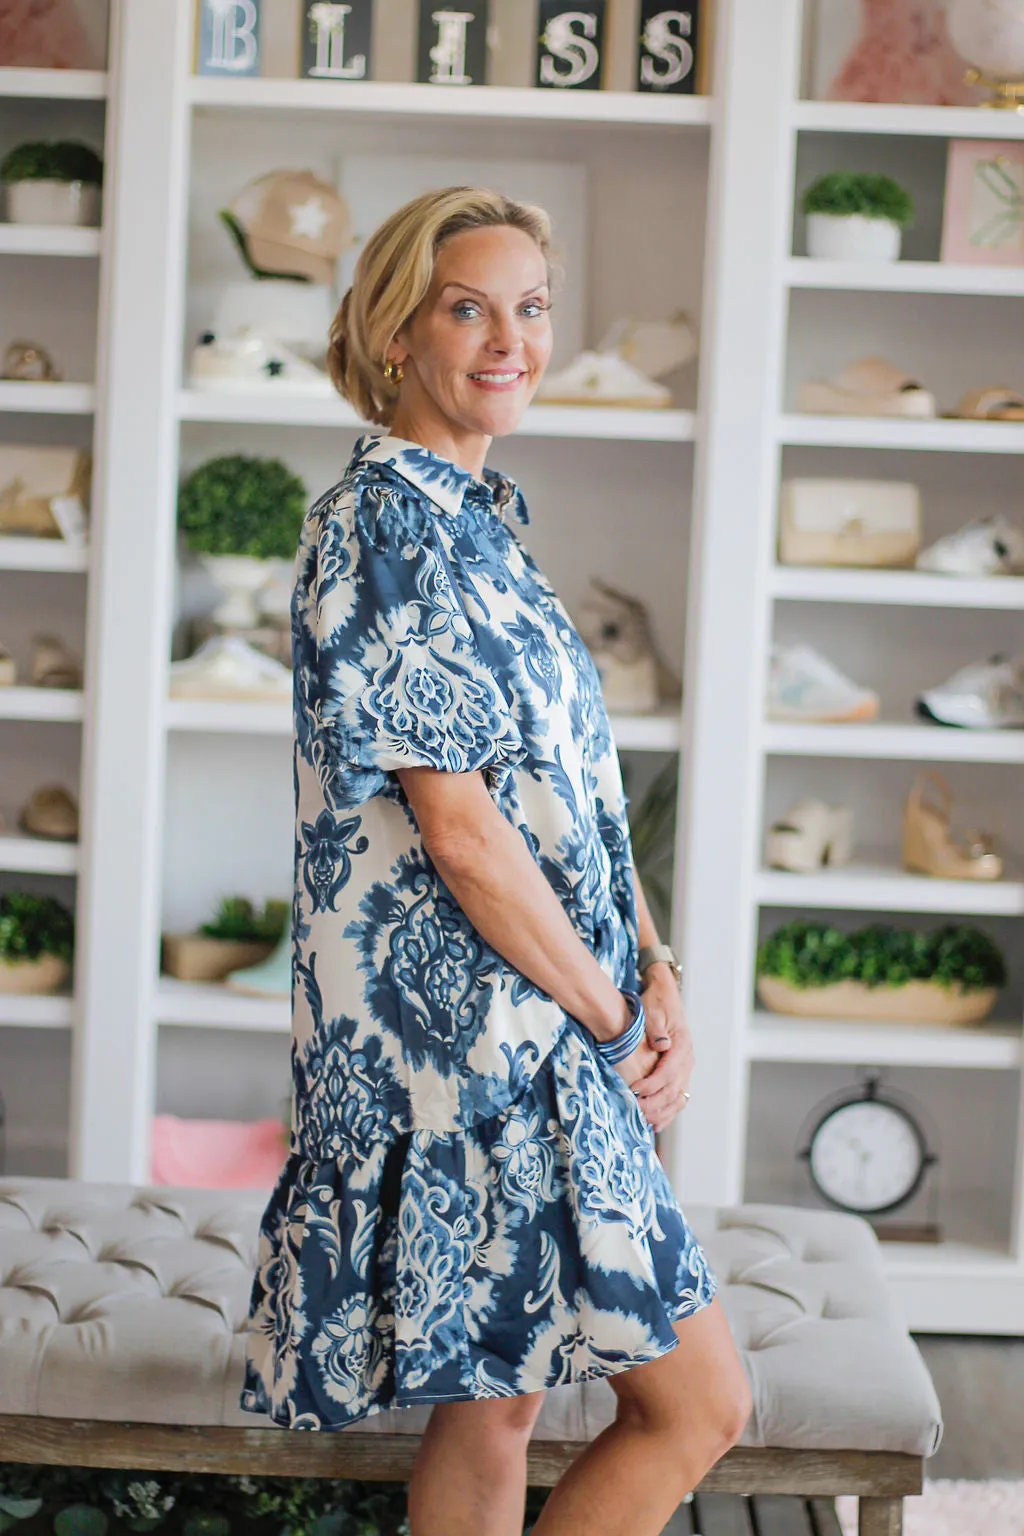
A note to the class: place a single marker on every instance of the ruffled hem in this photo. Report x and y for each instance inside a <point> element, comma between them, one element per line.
<point>538,1248</point>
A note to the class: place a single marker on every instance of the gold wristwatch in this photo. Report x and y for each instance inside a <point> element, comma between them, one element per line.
<point>652,952</point>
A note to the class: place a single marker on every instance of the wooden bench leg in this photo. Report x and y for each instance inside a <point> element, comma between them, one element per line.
<point>880,1517</point>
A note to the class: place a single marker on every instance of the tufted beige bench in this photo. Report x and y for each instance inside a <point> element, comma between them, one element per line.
<point>121,1345</point>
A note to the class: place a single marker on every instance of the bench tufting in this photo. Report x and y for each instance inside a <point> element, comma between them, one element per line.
<point>123,1308</point>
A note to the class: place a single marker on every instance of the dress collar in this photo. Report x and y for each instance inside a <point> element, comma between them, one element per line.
<point>447,485</point>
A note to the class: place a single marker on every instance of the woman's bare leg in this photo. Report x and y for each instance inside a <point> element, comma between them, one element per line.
<point>676,1417</point>
<point>470,1473</point>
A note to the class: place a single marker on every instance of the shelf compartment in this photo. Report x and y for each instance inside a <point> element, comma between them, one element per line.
<point>943,435</point>
<point>53,1010</point>
<point>37,855</point>
<point>911,589</point>
<point>905,277</point>
<point>43,555</point>
<point>892,119</point>
<point>871,887</point>
<point>402,99</point>
<point>41,704</point>
<point>201,1005</point>
<point>605,422</point>
<point>634,733</point>
<point>909,743</point>
<point>259,718</point>
<point>48,240</point>
<point>47,399</point>
<point>985,1047</point>
<point>54,84</point>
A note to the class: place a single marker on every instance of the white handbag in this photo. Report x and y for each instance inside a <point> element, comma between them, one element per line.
<point>849,522</point>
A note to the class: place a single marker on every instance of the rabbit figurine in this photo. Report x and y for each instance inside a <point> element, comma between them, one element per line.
<point>617,632</point>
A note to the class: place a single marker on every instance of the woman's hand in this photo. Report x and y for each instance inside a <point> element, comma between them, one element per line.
<point>659,1090</point>
<point>635,1067</point>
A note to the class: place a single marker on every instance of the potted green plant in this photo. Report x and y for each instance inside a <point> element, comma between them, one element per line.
<point>52,183</point>
<point>36,943</point>
<point>237,935</point>
<point>951,975</point>
<point>242,517</point>
<point>856,216</point>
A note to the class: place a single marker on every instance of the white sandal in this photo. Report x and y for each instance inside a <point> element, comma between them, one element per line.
<point>870,387</point>
<point>809,836</point>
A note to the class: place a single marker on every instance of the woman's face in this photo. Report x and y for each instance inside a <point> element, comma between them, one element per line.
<point>477,346</point>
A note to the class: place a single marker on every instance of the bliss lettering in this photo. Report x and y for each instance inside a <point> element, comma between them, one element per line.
<point>668,56</point>
<point>233,43</point>
<point>448,54</point>
<point>575,48</point>
<point>327,22</point>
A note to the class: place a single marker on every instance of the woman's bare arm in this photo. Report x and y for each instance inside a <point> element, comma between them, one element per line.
<point>491,873</point>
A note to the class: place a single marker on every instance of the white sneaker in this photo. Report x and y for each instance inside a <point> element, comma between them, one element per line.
<point>602,378</point>
<point>803,686</point>
<point>226,667</point>
<point>251,362</point>
<point>985,696</point>
<point>810,835</point>
<point>990,546</point>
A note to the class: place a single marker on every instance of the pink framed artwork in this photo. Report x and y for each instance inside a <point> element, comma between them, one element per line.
<point>983,218</point>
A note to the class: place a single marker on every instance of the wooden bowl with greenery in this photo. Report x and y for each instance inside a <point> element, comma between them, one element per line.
<point>951,976</point>
<point>37,935</point>
<point>237,936</point>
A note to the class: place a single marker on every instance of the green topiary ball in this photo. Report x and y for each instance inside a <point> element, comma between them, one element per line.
<point>236,505</point>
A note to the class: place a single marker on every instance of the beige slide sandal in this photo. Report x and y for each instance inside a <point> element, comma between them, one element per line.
<point>997,403</point>
<point>869,387</point>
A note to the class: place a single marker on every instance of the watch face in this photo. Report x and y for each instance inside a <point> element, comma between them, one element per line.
<point>867,1156</point>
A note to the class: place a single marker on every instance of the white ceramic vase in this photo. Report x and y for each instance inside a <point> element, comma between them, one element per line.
<point>240,578</point>
<point>852,237</point>
<point>52,202</point>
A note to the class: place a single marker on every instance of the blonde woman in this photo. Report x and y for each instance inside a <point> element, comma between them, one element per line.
<point>472,1210</point>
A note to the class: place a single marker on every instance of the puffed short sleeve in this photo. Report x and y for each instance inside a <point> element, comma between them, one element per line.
<point>402,680</point>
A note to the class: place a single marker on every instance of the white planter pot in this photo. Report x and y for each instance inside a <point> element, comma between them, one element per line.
<point>52,202</point>
<point>852,237</point>
<point>240,578</point>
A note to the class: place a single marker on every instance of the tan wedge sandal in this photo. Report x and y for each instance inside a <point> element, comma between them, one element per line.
<point>928,846</point>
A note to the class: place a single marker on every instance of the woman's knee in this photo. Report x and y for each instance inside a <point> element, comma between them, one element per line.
<point>699,1392</point>
<point>499,1419</point>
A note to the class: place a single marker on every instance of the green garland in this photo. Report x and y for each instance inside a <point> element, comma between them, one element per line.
<point>842,193</point>
<point>818,955</point>
<point>237,918</point>
<point>65,160</point>
<point>83,1501</point>
<point>31,926</point>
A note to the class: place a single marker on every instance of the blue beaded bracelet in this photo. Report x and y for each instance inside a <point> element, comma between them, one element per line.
<point>625,1044</point>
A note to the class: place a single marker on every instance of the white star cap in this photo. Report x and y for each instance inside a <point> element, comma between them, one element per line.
<point>293,224</point>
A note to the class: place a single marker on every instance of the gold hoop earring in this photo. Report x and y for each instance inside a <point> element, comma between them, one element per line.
<point>393,372</point>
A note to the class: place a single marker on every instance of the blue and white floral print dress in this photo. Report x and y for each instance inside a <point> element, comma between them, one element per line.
<point>472,1205</point>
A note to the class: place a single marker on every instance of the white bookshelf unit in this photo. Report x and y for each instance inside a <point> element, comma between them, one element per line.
<point>689,203</point>
<point>760,1074</point>
<point>52,291</point>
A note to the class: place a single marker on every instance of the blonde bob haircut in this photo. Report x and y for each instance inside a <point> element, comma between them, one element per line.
<point>392,278</point>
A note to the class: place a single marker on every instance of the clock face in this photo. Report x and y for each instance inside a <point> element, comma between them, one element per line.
<point>866,1156</point>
